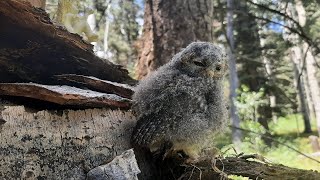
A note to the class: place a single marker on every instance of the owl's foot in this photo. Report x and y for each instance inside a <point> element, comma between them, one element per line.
<point>208,158</point>
<point>211,152</point>
<point>206,155</point>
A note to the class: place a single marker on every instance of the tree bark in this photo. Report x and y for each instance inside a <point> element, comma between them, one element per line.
<point>233,77</point>
<point>170,26</point>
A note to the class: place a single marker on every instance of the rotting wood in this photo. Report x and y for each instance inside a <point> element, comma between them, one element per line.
<point>34,49</point>
<point>64,95</point>
<point>100,85</point>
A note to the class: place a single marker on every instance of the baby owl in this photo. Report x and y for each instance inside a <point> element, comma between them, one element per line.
<point>180,106</point>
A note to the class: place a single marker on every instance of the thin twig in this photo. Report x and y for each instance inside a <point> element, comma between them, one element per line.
<point>300,31</point>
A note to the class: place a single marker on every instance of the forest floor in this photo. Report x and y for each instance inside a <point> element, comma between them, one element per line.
<point>288,130</point>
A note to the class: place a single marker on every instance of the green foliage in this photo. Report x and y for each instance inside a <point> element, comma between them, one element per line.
<point>281,82</point>
<point>124,31</point>
<point>248,102</point>
<point>312,26</point>
<point>287,130</point>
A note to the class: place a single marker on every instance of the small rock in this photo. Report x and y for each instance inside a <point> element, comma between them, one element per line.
<point>122,167</point>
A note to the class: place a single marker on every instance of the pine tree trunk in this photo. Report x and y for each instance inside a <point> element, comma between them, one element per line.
<point>310,71</point>
<point>271,78</point>
<point>170,26</point>
<point>311,111</point>
<point>295,58</point>
<point>233,77</point>
<point>313,83</point>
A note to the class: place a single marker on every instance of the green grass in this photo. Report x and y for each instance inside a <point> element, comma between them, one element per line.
<point>287,130</point>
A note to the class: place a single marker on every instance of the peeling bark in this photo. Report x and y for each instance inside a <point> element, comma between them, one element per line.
<point>64,95</point>
<point>100,85</point>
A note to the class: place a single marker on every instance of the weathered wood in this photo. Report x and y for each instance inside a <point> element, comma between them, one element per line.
<point>100,85</point>
<point>64,95</point>
<point>60,144</point>
<point>33,49</point>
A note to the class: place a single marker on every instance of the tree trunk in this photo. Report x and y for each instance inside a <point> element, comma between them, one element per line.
<point>296,58</point>
<point>233,77</point>
<point>313,83</point>
<point>311,111</point>
<point>106,30</point>
<point>302,21</point>
<point>270,76</point>
<point>170,26</point>
<point>314,101</point>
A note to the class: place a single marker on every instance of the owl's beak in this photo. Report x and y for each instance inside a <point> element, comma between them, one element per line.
<point>211,73</point>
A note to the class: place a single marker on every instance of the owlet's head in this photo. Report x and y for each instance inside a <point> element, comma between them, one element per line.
<point>202,59</point>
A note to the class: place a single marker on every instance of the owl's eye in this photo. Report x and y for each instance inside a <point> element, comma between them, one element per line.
<point>198,63</point>
<point>218,67</point>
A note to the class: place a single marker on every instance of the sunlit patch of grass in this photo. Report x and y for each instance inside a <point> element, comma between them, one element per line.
<point>291,124</point>
<point>287,130</point>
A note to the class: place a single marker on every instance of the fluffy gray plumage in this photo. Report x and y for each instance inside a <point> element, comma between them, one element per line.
<point>181,103</point>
